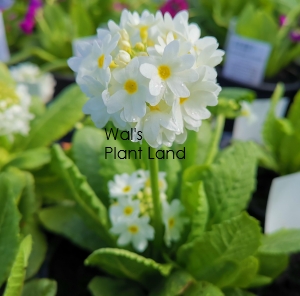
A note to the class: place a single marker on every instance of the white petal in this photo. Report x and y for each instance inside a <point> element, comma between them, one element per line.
<point>148,70</point>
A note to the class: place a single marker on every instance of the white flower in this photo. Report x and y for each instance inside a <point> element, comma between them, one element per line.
<point>248,112</point>
<point>162,183</point>
<point>173,221</point>
<point>158,125</point>
<point>136,231</point>
<point>169,73</point>
<point>38,84</point>
<point>130,93</point>
<point>125,185</point>
<point>124,209</point>
<point>14,111</point>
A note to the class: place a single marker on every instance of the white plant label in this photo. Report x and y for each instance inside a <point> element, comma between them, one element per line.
<point>246,59</point>
<point>250,128</point>
<point>4,51</point>
<point>283,203</point>
<point>79,41</point>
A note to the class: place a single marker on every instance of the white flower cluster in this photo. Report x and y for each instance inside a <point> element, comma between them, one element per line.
<point>150,72</point>
<point>128,193</point>
<point>39,85</point>
<point>14,110</point>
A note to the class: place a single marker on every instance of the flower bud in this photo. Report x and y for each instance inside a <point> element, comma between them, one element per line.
<point>125,45</point>
<point>139,46</point>
<point>124,35</point>
<point>123,58</point>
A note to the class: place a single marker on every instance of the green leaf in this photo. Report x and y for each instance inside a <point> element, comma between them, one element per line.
<point>57,121</point>
<point>175,284</point>
<point>194,199</point>
<point>9,224</point>
<point>16,278</point>
<point>5,76</point>
<point>102,286</point>
<point>89,207</point>
<point>237,292</point>
<point>39,247</point>
<point>294,111</point>
<point>259,281</point>
<point>203,289</point>
<point>64,220</point>
<point>31,159</point>
<point>285,241</point>
<point>88,146</point>
<point>127,265</point>
<point>40,287</point>
<point>230,181</point>
<point>37,106</point>
<point>214,256</point>
<point>271,265</point>
<point>270,133</point>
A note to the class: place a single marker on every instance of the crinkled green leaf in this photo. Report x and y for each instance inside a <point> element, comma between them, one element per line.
<point>31,159</point>
<point>16,278</point>
<point>88,146</point>
<point>65,220</point>
<point>9,224</point>
<point>89,207</point>
<point>194,199</point>
<point>203,289</point>
<point>175,284</point>
<point>230,181</point>
<point>284,241</point>
<point>40,287</point>
<point>103,286</point>
<point>128,265</point>
<point>57,121</point>
<point>221,249</point>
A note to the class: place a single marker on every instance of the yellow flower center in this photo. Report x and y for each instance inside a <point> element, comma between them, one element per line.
<point>133,229</point>
<point>148,182</point>
<point>8,96</point>
<point>171,222</point>
<point>144,33</point>
<point>128,210</point>
<point>131,86</point>
<point>164,72</point>
<point>154,108</point>
<point>101,61</point>
<point>160,184</point>
<point>126,189</point>
<point>182,100</point>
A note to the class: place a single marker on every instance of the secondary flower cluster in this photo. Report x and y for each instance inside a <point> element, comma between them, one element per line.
<point>129,211</point>
<point>38,84</point>
<point>14,110</point>
<point>150,72</point>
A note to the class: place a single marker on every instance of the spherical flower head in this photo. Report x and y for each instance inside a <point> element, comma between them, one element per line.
<point>143,69</point>
<point>174,6</point>
<point>136,231</point>
<point>173,220</point>
<point>125,185</point>
<point>124,209</point>
<point>14,110</point>
<point>38,84</point>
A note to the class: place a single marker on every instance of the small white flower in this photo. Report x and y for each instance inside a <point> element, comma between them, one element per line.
<point>14,112</point>
<point>125,185</point>
<point>162,183</point>
<point>136,231</point>
<point>38,84</point>
<point>173,221</point>
<point>124,209</point>
<point>247,112</point>
<point>130,93</point>
<point>169,73</point>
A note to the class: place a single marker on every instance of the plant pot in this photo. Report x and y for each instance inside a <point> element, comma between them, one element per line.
<point>62,81</point>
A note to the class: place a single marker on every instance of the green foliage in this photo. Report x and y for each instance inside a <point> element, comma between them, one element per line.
<point>127,265</point>
<point>40,287</point>
<point>65,220</point>
<point>102,286</point>
<point>59,119</point>
<point>89,207</point>
<point>216,255</point>
<point>9,224</point>
<point>203,289</point>
<point>16,278</point>
<point>237,292</point>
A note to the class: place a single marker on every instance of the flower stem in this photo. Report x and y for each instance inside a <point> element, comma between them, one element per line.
<point>157,211</point>
<point>215,142</point>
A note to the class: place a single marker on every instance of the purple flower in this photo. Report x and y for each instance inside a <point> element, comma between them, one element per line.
<point>282,20</point>
<point>174,6</point>
<point>28,22</point>
<point>294,34</point>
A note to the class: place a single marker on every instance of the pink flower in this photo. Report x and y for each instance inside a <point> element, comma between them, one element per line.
<point>294,34</point>
<point>174,6</point>
<point>282,20</point>
<point>28,22</point>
